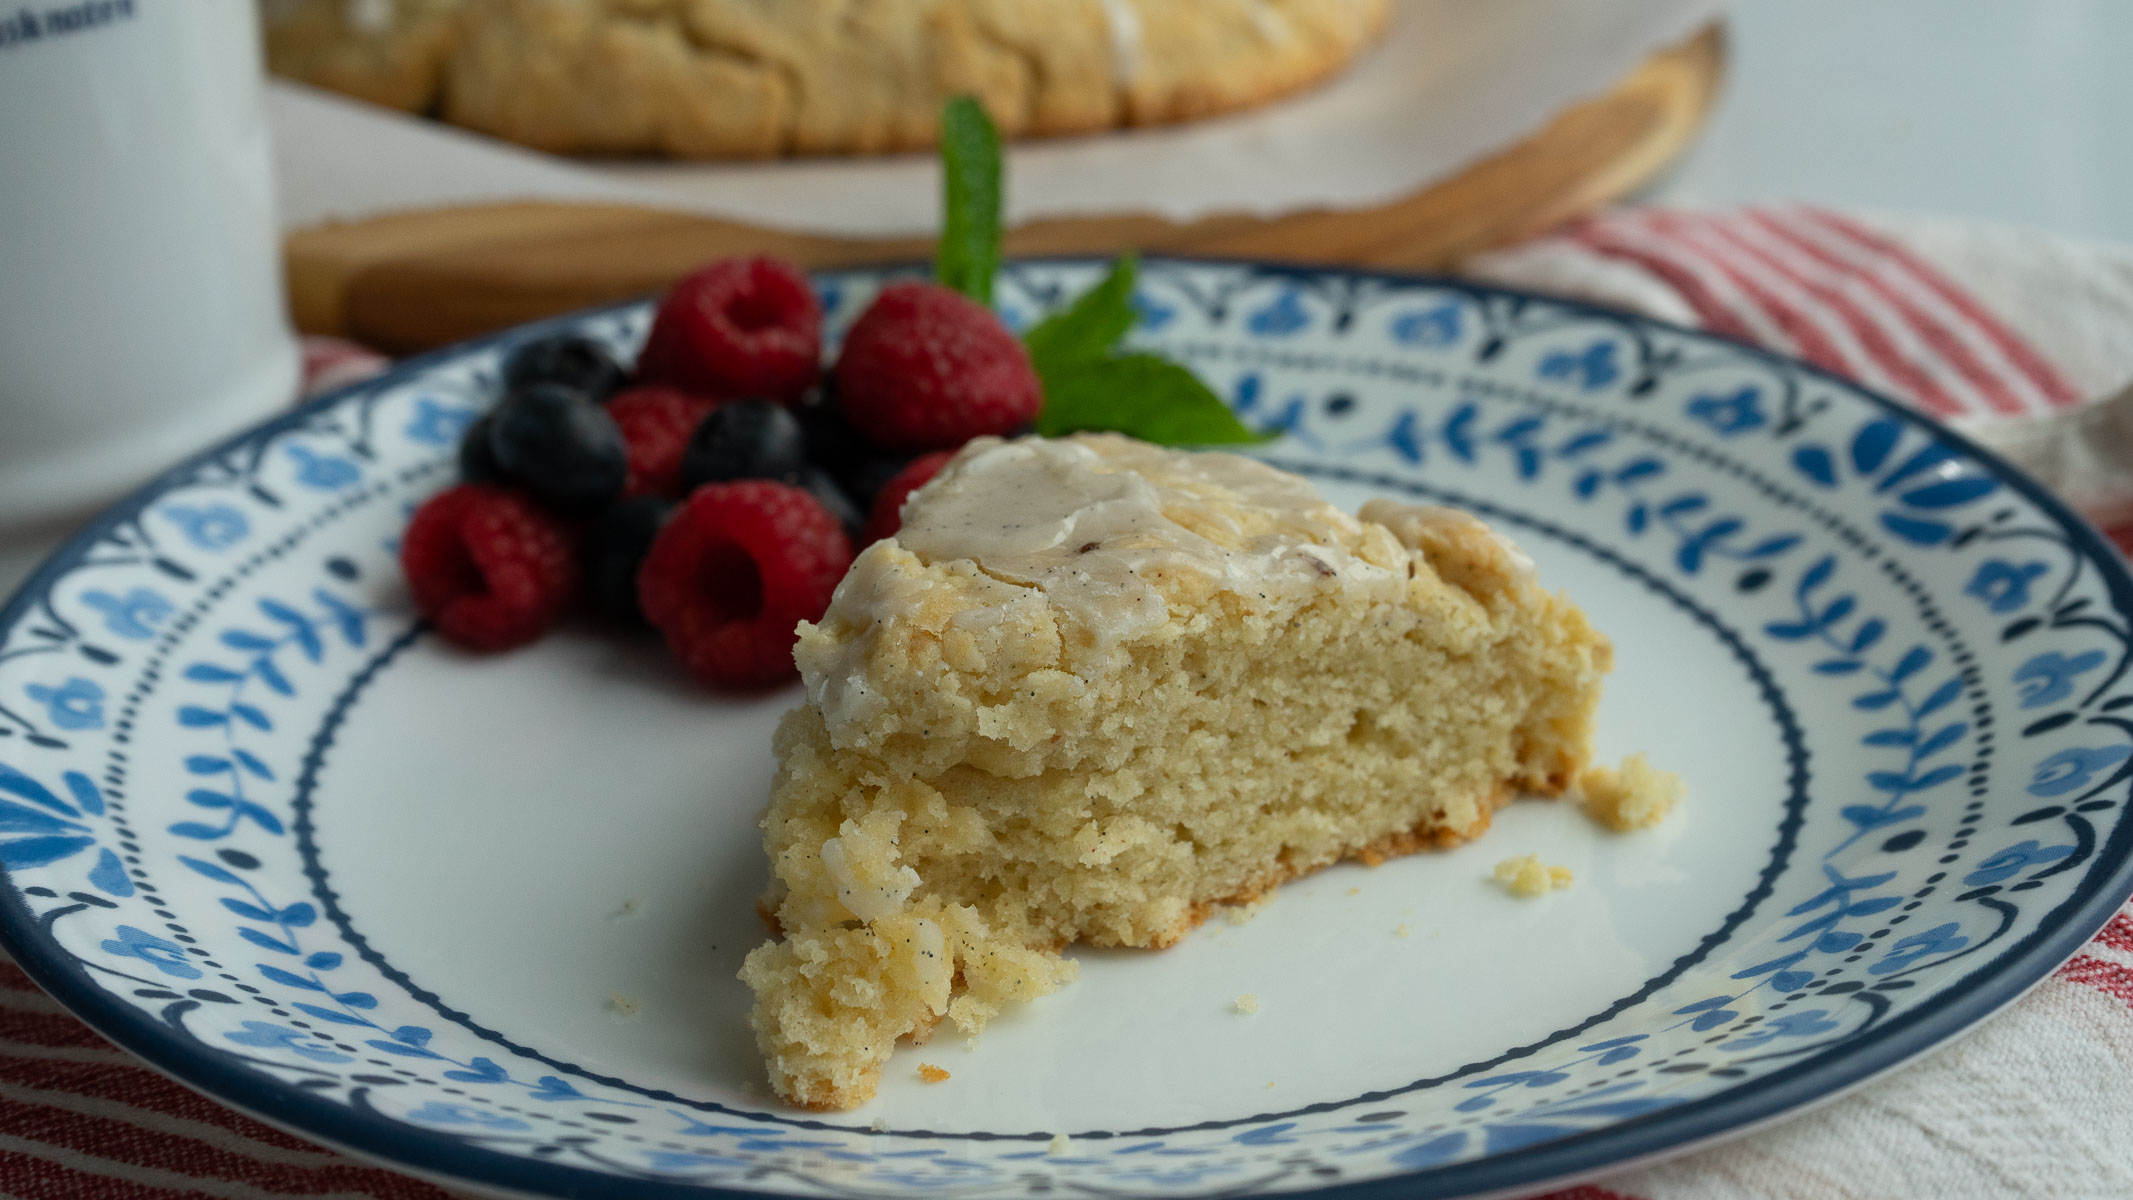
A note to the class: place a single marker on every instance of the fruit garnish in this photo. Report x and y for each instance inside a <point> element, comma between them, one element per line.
<point>781,467</point>
<point>561,448</point>
<point>656,425</point>
<point>736,568</point>
<point>488,566</point>
<point>615,547</point>
<point>476,463</point>
<point>579,363</point>
<point>738,327</point>
<point>926,368</point>
<point>748,439</point>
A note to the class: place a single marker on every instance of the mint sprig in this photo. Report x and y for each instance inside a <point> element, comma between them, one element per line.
<point>969,253</point>
<point>1089,382</point>
<point>1140,395</point>
<point>1092,325</point>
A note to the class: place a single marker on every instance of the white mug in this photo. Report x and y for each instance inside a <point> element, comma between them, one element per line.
<point>141,309</point>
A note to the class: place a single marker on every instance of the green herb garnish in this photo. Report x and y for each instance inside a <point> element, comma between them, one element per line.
<point>1091,327</point>
<point>969,253</point>
<point>1089,382</point>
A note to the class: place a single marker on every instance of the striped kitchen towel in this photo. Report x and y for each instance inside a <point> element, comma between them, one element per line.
<point>2025,341</point>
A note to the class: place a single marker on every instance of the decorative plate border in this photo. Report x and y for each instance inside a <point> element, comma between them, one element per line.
<point>1876,450</point>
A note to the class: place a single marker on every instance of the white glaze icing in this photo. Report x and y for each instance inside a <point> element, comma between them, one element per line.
<point>1091,521</point>
<point>1088,526</point>
<point>371,17</point>
<point>1125,23</point>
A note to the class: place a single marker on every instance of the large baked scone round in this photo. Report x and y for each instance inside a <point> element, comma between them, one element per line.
<point>757,78</point>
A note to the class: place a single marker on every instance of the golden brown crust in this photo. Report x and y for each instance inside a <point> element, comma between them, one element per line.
<point>389,52</point>
<point>1428,835</point>
<point>760,78</point>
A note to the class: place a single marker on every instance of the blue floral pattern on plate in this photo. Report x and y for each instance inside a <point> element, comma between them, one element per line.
<point>168,684</point>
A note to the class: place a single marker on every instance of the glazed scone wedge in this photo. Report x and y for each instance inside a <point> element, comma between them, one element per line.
<point>1094,689</point>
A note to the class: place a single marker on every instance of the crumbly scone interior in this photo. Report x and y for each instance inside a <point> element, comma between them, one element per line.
<point>1004,782</point>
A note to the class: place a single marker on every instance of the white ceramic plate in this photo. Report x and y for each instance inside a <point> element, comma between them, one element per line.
<point>262,830</point>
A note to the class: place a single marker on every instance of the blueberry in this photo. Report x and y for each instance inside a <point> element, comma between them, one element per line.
<point>816,482</point>
<point>476,463</point>
<point>578,363</point>
<point>748,439</point>
<point>615,547</point>
<point>832,443</point>
<point>559,447</point>
<point>865,481</point>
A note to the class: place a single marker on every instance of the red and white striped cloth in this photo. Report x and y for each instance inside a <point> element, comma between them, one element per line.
<point>2023,340</point>
<point>1837,293</point>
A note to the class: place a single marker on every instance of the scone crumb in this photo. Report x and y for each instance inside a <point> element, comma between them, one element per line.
<point>931,1073</point>
<point>1399,931</point>
<point>880,1125</point>
<point>1527,875</point>
<point>1355,891</point>
<point>1239,914</point>
<point>1635,795</point>
<point>1247,1003</point>
<point>1060,1144</point>
<point>621,1005</point>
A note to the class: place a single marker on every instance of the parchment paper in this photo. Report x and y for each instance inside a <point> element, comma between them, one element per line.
<point>1454,81</point>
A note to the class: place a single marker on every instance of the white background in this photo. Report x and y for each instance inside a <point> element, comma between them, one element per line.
<point>2017,111</point>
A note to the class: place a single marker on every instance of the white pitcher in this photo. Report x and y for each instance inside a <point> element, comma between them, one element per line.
<point>141,310</point>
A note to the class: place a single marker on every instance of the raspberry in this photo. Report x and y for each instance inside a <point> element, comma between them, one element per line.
<point>737,566</point>
<point>925,368</point>
<point>656,424</point>
<point>488,566</point>
<point>741,327</point>
<point>887,515</point>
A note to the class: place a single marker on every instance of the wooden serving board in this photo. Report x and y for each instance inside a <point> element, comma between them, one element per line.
<point>410,281</point>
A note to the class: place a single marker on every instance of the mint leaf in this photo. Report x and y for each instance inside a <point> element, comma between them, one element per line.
<point>1090,326</point>
<point>1143,396</point>
<point>969,251</point>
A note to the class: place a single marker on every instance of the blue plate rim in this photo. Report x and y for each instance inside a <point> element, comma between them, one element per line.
<point>1735,1110</point>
